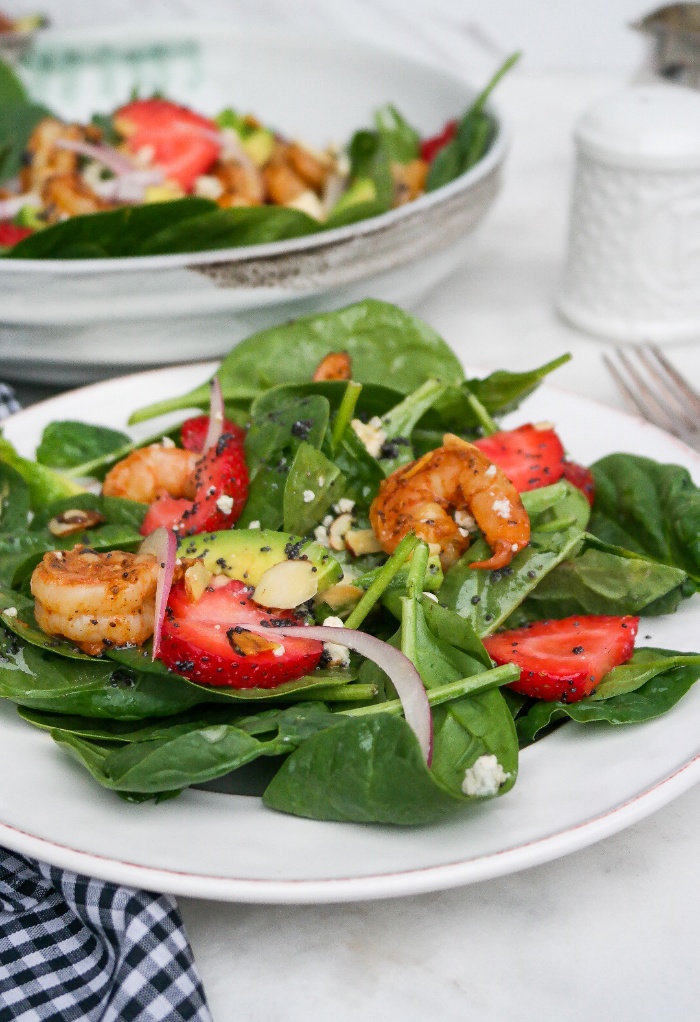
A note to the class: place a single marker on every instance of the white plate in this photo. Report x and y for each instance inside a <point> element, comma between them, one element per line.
<point>575,787</point>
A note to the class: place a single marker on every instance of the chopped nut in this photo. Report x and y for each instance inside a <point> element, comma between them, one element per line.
<point>286,585</point>
<point>197,578</point>
<point>247,643</point>
<point>75,520</point>
<point>371,434</point>
<point>338,530</point>
<point>362,541</point>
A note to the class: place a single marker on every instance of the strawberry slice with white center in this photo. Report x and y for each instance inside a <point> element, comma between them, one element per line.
<point>531,456</point>
<point>210,641</point>
<point>184,144</point>
<point>564,659</point>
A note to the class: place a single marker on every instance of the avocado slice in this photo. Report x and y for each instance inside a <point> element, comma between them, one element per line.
<point>246,554</point>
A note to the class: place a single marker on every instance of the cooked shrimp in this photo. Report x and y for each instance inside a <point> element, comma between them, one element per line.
<point>424,496</point>
<point>144,474</point>
<point>334,366</point>
<point>47,158</point>
<point>96,599</point>
<point>69,195</point>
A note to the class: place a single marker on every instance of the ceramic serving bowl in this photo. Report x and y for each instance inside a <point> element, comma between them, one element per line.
<point>70,321</point>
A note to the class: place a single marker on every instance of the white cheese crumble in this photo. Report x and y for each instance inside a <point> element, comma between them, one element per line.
<point>339,655</point>
<point>490,471</point>
<point>502,507</point>
<point>167,442</point>
<point>10,612</point>
<point>371,434</point>
<point>278,651</point>
<point>225,504</point>
<point>343,507</point>
<point>514,547</point>
<point>321,535</point>
<point>208,187</point>
<point>308,496</point>
<point>484,778</point>
<point>328,520</point>
<point>465,521</point>
<point>254,525</point>
<point>321,480</point>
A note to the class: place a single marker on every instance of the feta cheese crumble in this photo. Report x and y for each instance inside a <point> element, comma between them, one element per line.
<point>308,496</point>
<point>371,434</point>
<point>225,504</point>
<point>10,612</point>
<point>490,471</point>
<point>254,525</point>
<point>343,507</point>
<point>321,535</point>
<point>465,521</point>
<point>208,187</point>
<point>502,507</point>
<point>484,778</point>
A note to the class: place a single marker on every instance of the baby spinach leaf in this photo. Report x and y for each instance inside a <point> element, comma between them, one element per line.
<point>11,88</point>
<point>649,508</point>
<point>370,161</point>
<point>24,625</point>
<point>384,343</point>
<point>466,729</point>
<point>105,730</point>
<point>400,138</point>
<point>14,500</point>
<point>399,422</point>
<point>647,687</point>
<point>117,232</point>
<point>314,483</point>
<point>67,444</point>
<point>44,484</point>
<point>374,399</point>
<point>20,553</point>
<point>230,228</point>
<point>18,119</point>
<point>116,510</point>
<point>366,770</point>
<point>360,470</point>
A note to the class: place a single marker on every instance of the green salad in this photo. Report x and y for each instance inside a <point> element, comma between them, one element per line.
<point>338,575</point>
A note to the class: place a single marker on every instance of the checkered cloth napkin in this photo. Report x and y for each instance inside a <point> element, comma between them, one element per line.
<point>75,949</point>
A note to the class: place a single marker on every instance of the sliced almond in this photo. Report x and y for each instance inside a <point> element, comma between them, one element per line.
<point>197,578</point>
<point>286,585</point>
<point>342,595</point>
<point>362,541</point>
<point>75,520</point>
<point>338,530</point>
<point>247,643</point>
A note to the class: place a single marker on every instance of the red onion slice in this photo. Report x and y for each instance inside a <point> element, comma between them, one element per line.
<point>11,206</point>
<point>162,543</point>
<point>217,414</point>
<point>404,676</point>
<point>129,187</point>
<point>104,154</point>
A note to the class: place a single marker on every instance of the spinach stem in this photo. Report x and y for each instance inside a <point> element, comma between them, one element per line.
<point>472,685</point>
<point>488,424</point>
<point>345,693</point>
<point>345,414</point>
<point>480,101</point>
<point>416,573</point>
<point>81,471</point>
<point>386,574</point>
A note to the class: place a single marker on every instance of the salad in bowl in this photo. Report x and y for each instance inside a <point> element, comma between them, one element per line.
<point>341,570</point>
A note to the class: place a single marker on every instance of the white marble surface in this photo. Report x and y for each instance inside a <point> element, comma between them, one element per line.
<point>608,933</point>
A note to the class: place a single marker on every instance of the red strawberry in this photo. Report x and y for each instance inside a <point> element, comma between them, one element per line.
<point>582,478</point>
<point>184,143</point>
<point>10,234</point>
<point>531,457</point>
<point>205,641</point>
<point>221,474</point>
<point>564,659</point>
<point>193,432</point>
<point>430,147</point>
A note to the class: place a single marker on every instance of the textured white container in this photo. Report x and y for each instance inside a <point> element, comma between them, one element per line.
<point>633,267</point>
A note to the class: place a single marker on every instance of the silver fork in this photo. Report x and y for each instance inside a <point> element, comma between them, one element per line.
<point>657,391</point>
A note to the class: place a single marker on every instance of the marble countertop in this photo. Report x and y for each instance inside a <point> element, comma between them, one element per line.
<point>609,932</point>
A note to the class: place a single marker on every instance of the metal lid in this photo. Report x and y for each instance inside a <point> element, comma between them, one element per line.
<point>644,126</point>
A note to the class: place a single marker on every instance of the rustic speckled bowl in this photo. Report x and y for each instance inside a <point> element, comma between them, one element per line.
<point>78,320</point>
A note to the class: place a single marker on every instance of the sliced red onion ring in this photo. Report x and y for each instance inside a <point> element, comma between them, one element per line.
<point>129,187</point>
<point>162,543</point>
<point>10,207</point>
<point>404,676</point>
<point>105,154</point>
<point>217,414</point>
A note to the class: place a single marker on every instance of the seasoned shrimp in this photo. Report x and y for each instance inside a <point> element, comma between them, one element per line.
<point>457,477</point>
<point>48,159</point>
<point>146,473</point>
<point>96,599</point>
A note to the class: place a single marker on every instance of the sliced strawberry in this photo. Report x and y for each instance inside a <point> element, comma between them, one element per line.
<point>430,147</point>
<point>529,456</point>
<point>203,640</point>
<point>193,432</point>
<point>221,481</point>
<point>582,478</point>
<point>564,659</point>
<point>10,234</point>
<point>184,143</point>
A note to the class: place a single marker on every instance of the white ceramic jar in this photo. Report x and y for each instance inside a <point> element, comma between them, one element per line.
<point>633,266</point>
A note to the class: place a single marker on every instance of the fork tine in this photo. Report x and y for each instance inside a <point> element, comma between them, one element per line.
<point>628,391</point>
<point>666,387</point>
<point>646,396</point>
<point>684,387</point>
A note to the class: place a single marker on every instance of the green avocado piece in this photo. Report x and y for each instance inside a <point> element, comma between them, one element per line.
<point>246,554</point>
<point>362,190</point>
<point>259,145</point>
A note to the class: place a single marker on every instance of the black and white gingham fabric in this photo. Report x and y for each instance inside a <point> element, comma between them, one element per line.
<point>75,949</point>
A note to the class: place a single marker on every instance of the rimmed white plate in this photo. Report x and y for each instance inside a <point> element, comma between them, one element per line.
<point>581,784</point>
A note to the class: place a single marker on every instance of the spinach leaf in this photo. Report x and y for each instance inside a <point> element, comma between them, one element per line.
<point>11,88</point>
<point>360,470</point>
<point>230,228</point>
<point>595,582</point>
<point>399,422</point>
<point>370,162</point>
<point>67,444</point>
<point>314,483</point>
<point>21,621</point>
<point>373,400</point>
<point>465,730</point>
<point>18,119</point>
<point>400,139</point>
<point>648,508</point>
<point>117,232</point>
<point>647,687</point>
<point>14,500</point>
<point>384,343</point>
<point>116,510</point>
<point>21,552</point>
<point>45,485</point>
